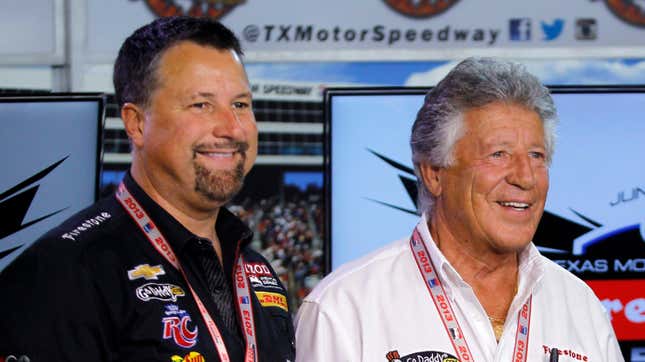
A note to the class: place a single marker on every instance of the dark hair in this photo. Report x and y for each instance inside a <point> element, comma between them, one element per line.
<point>475,82</point>
<point>135,67</point>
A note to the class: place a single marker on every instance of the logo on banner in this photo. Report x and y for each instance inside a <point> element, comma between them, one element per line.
<point>630,11</point>
<point>552,30</point>
<point>177,327</point>
<point>420,8</point>
<point>586,29</point>
<point>190,357</point>
<point>625,305</point>
<point>519,29</point>
<point>394,356</point>
<point>146,272</point>
<point>213,9</point>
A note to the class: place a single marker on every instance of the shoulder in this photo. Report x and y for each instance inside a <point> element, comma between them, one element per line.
<point>69,241</point>
<point>560,286</point>
<point>88,224</point>
<point>358,276</point>
<point>557,277</point>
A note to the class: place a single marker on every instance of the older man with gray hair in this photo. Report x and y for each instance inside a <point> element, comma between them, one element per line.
<point>468,284</point>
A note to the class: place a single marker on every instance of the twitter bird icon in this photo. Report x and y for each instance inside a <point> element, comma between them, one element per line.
<point>552,30</point>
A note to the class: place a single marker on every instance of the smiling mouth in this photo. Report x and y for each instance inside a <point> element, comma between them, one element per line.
<point>520,206</point>
<point>217,154</point>
<point>222,151</point>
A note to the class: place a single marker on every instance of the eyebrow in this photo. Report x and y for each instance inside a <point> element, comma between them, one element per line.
<point>211,95</point>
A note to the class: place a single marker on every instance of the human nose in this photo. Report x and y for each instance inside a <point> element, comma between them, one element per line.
<point>522,173</point>
<point>227,123</point>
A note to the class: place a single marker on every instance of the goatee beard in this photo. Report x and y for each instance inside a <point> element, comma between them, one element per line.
<point>219,186</point>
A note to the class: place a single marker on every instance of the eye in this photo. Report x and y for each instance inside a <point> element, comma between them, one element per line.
<point>241,105</point>
<point>202,106</point>
<point>537,155</point>
<point>497,154</point>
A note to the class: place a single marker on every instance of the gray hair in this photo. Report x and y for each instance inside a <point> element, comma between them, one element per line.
<point>473,83</point>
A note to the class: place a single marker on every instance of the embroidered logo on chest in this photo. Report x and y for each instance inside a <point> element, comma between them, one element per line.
<point>146,272</point>
<point>178,325</point>
<point>164,292</point>
<point>424,356</point>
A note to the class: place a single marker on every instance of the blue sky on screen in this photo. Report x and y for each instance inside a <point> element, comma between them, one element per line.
<point>578,72</point>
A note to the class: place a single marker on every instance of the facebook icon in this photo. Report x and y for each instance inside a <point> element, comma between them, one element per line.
<point>520,29</point>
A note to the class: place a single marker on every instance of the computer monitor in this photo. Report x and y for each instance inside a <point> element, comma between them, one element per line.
<point>50,154</point>
<point>594,220</point>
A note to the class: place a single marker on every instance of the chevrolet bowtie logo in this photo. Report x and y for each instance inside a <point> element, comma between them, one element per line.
<point>146,271</point>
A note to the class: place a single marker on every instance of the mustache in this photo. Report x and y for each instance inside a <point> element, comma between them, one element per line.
<point>239,146</point>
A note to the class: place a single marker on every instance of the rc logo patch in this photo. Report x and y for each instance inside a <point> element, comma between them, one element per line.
<point>165,292</point>
<point>146,271</point>
<point>425,356</point>
<point>268,299</point>
<point>190,357</point>
<point>177,325</point>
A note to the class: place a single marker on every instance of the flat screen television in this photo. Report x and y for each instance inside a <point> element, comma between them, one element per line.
<point>594,220</point>
<point>50,154</point>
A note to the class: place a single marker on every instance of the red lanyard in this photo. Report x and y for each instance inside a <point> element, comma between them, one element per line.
<point>448,317</point>
<point>243,293</point>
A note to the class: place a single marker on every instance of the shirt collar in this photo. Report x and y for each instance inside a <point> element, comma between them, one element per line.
<point>531,264</point>
<point>229,228</point>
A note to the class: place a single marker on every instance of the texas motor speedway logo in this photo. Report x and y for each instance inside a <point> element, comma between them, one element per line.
<point>376,34</point>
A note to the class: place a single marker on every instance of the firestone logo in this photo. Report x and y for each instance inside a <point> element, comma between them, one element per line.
<point>213,9</point>
<point>420,8</point>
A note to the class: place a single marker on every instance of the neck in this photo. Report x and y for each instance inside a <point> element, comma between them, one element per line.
<point>198,221</point>
<point>492,275</point>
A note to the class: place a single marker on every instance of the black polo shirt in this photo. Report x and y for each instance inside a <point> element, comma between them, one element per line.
<point>95,289</point>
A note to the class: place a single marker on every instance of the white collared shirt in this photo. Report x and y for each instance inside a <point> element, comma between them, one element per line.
<point>378,307</point>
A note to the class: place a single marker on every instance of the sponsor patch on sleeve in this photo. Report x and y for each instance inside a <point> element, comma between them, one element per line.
<point>268,299</point>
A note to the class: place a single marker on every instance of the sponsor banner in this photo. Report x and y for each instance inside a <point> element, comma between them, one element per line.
<point>37,32</point>
<point>338,30</point>
<point>268,299</point>
<point>625,304</point>
<point>286,91</point>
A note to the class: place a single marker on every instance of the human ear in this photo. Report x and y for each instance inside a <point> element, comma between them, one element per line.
<point>133,119</point>
<point>431,177</point>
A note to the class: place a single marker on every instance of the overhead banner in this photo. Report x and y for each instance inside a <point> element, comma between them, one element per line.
<point>401,29</point>
<point>32,32</point>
